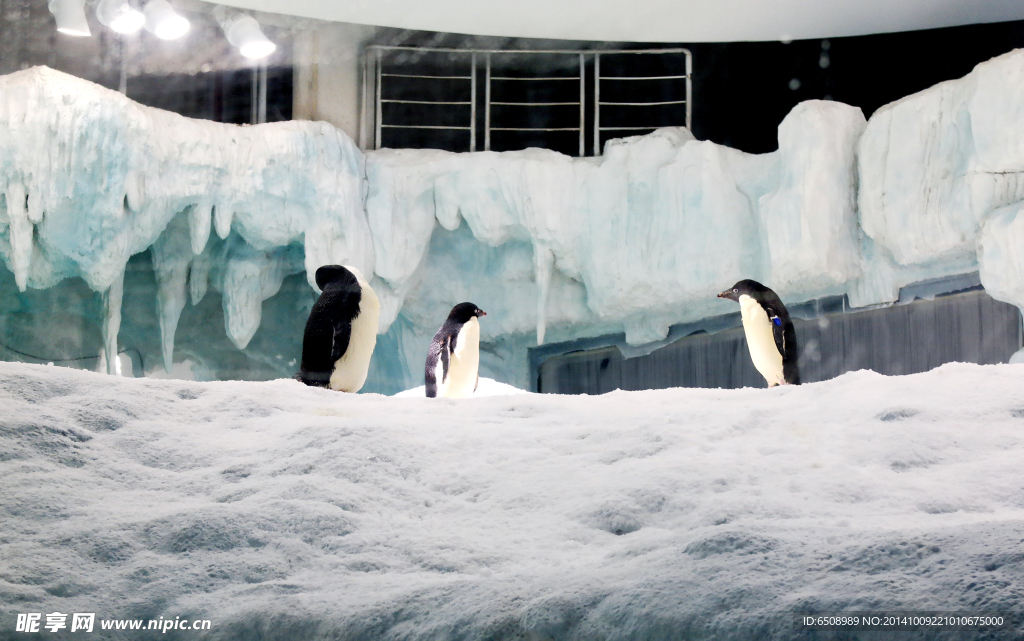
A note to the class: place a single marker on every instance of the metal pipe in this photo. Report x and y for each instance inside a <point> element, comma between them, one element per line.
<point>122,82</point>
<point>487,107</point>
<point>416,75</point>
<point>430,127</point>
<point>597,104</point>
<point>430,102</point>
<point>362,104</point>
<point>645,77</point>
<point>529,51</point>
<point>378,116</point>
<point>583,95</point>
<point>538,78</point>
<point>472,103</point>
<point>642,104</point>
<point>689,91</point>
<point>534,104</point>
<point>262,115</point>
<point>253,107</point>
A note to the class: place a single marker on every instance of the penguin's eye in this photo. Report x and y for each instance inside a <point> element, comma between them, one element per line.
<point>736,291</point>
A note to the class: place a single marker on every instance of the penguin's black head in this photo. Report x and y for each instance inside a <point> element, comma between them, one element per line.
<point>462,312</point>
<point>749,287</point>
<point>334,273</point>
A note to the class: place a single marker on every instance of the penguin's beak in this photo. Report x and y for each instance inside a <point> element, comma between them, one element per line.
<point>727,294</point>
<point>482,313</point>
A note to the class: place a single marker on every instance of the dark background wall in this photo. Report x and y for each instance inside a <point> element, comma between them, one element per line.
<point>743,90</point>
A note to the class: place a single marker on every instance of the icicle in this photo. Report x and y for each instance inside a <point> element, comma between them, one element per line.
<point>171,256</point>
<point>199,226</point>
<point>112,323</point>
<point>199,276</point>
<point>21,230</point>
<point>247,275</point>
<point>543,262</point>
<point>222,219</point>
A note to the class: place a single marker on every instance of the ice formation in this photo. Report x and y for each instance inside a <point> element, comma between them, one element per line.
<point>90,178</point>
<point>279,511</point>
<point>633,241</point>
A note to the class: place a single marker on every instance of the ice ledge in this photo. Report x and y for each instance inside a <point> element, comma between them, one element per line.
<point>88,178</point>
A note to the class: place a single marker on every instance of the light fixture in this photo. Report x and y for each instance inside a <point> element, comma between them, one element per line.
<point>162,21</point>
<point>244,32</point>
<point>119,16</point>
<point>70,15</point>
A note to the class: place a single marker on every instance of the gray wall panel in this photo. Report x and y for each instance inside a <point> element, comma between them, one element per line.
<point>903,339</point>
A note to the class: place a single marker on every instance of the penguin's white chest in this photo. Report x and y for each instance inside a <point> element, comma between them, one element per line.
<point>761,341</point>
<point>350,370</point>
<point>463,363</point>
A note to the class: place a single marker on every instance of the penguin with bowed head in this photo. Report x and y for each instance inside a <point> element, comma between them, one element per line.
<point>453,361</point>
<point>341,331</point>
<point>771,338</point>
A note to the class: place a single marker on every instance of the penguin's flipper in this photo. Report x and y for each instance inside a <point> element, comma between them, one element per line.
<point>778,330</point>
<point>342,334</point>
<point>790,369</point>
<point>445,356</point>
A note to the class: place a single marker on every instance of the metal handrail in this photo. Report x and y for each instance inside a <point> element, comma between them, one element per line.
<point>377,58</point>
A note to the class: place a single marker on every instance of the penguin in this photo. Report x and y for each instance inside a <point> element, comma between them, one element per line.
<point>771,338</point>
<point>341,331</point>
<point>453,360</point>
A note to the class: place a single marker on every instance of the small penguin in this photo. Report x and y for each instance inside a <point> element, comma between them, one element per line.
<point>341,331</point>
<point>454,358</point>
<point>771,338</point>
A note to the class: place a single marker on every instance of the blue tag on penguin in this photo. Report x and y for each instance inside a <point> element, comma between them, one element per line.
<point>778,321</point>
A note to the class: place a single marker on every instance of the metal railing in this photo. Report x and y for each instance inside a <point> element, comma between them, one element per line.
<point>375,60</point>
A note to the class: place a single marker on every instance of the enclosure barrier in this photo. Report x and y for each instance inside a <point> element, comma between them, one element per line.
<point>376,57</point>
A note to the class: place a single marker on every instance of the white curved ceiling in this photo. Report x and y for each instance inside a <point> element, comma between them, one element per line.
<point>652,20</point>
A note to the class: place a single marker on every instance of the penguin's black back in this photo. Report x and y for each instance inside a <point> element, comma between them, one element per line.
<point>329,325</point>
<point>783,330</point>
<point>441,348</point>
<point>443,344</point>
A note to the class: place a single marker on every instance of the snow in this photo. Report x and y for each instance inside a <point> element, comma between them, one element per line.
<point>554,248</point>
<point>280,511</point>
<point>485,387</point>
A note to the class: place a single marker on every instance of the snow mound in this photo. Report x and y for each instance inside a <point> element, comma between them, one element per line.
<point>280,511</point>
<point>486,387</point>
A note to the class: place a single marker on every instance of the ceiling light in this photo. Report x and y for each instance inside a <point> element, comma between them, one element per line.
<point>162,21</point>
<point>70,15</point>
<point>244,32</point>
<point>119,16</point>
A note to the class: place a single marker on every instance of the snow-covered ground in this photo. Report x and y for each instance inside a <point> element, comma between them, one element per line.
<point>486,387</point>
<point>284,512</point>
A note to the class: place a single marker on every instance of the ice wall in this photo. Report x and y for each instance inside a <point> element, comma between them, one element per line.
<point>88,178</point>
<point>650,231</point>
<point>942,178</point>
<point>553,247</point>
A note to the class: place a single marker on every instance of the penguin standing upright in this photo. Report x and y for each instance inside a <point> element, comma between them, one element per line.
<point>341,331</point>
<point>771,338</point>
<point>453,360</point>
